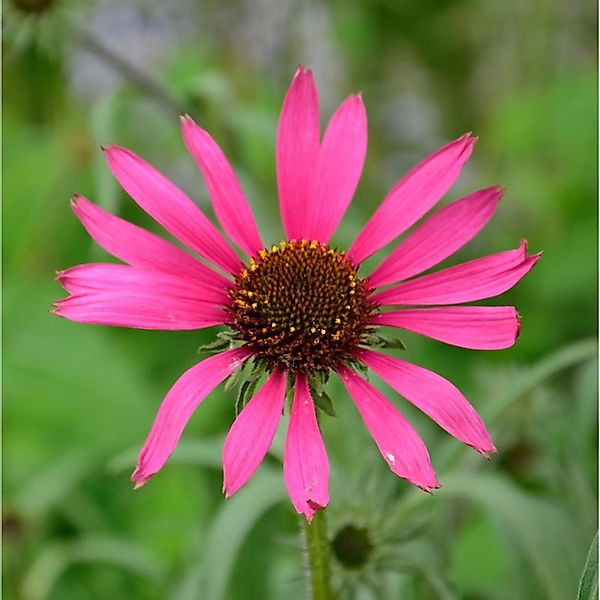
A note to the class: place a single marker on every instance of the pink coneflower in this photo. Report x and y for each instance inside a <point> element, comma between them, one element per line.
<point>299,309</point>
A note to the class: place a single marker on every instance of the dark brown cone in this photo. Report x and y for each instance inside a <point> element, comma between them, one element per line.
<point>300,306</point>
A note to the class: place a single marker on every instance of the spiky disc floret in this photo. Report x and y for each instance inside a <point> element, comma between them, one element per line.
<point>301,306</point>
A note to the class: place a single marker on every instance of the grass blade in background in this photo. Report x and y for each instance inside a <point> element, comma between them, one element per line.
<point>56,559</point>
<point>588,586</point>
<point>542,532</point>
<point>551,365</point>
<point>232,523</point>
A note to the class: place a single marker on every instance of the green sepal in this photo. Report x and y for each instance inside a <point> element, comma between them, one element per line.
<point>319,380</point>
<point>323,402</point>
<point>248,386</point>
<point>290,387</point>
<point>320,397</point>
<point>380,340</point>
<point>245,393</point>
<point>233,379</point>
<point>225,340</point>
<point>361,368</point>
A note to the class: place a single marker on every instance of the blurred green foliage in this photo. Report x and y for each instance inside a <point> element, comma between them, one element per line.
<point>79,399</point>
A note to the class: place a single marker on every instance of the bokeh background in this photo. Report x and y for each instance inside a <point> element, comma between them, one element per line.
<point>79,400</point>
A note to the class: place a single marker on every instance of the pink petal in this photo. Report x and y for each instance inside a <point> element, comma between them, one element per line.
<point>475,327</point>
<point>297,152</point>
<point>139,247</point>
<point>412,197</point>
<point>251,434</point>
<point>474,280</point>
<point>434,395</point>
<point>305,464</point>
<point>227,197</point>
<point>399,444</point>
<point>124,296</point>
<point>139,311</point>
<point>179,405</point>
<point>341,160</point>
<point>440,236</point>
<point>168,205</point>
<point>106,277</point>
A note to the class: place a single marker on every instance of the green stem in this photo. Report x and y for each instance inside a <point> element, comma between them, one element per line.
<point>317,548</point>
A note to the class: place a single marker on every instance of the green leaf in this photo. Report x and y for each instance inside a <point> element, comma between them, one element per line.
<point>588,586</point>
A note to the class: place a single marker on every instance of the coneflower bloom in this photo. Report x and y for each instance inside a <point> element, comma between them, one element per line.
<point>300,309</point>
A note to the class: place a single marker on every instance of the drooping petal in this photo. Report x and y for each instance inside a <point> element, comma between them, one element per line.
<point>440,236</point>
<point>251,434</point>
<point>341,159</point>
<point>305,464</point>
<point>400,445</point>
<point>297,152</point>
<point>179,405</point>
<point>434,395</point>
<point>123,296</point>
<point>474,280</point>
<point>170,207</point>
<point>106,277</point>
<point>226,194</point>
<point>475,327</point>
<point>415,194</point>
<point>139,247</point>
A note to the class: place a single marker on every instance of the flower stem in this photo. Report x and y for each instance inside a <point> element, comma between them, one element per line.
<point>317,548</point>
